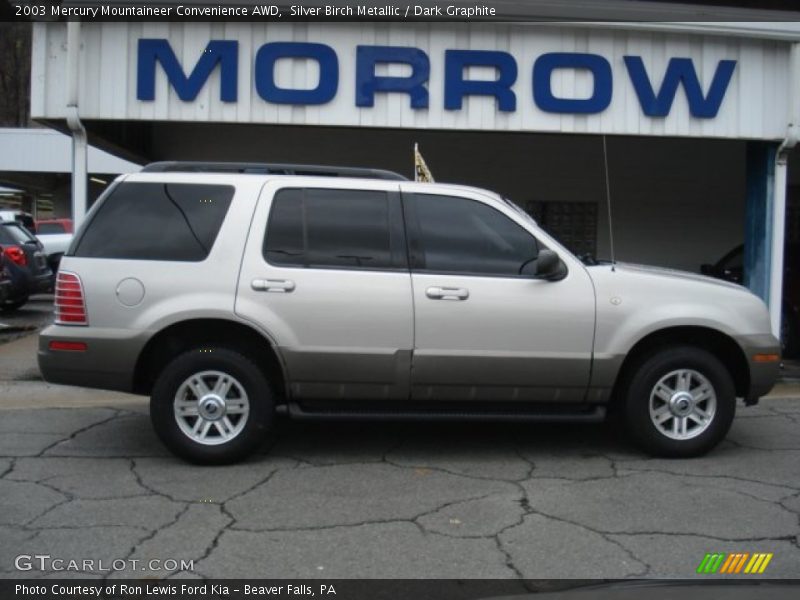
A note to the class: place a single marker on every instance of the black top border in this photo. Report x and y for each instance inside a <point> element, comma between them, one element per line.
<point>401,10</point>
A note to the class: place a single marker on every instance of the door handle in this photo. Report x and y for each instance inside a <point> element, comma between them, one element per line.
<point>447,293</point>
<point>272,285</point>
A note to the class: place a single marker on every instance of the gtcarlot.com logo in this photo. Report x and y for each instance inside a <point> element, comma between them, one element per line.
<point>735,563</point>
<point>46,562</point>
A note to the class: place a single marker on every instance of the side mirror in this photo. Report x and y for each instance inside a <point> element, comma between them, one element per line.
<point>549,266</point>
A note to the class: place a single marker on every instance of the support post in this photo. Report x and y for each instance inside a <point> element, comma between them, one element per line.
<point>765,225</point>
<point>80,144</point>
<point>759,218</point>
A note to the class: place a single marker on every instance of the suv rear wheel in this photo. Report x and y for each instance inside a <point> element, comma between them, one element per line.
<point>680,402</point>
<point>212,405</point>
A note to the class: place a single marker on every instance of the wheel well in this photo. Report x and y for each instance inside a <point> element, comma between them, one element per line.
<point>715,342</point>
<point>183,336</point>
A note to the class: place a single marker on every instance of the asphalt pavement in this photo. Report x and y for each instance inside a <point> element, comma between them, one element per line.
<point>82,476</point>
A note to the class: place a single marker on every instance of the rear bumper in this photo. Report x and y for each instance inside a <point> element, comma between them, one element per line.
<point>5,290</point>
<point>109,361</point>
<point>23,283</point>
<point>763,375</point>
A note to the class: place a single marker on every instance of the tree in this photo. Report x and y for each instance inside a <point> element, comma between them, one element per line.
<point>15,74</point>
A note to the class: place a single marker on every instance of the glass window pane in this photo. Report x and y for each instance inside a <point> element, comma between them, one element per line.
<point>459,235</point>
<point>329,228</point>
<point>156,221</point>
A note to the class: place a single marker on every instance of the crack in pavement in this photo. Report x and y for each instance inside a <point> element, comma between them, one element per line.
<point>666,471</point>
<point>12,463</point>
<point>533,469</point>
<point>77,432</point>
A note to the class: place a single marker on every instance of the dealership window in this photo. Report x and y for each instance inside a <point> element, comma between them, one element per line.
<point>157,221</point>
<point>330,228</point>
<point>573,224</point>
<point>458,235</point>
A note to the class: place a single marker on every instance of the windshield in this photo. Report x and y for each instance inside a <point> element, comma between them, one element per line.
<point>587,259</point>
<point>521,212</point>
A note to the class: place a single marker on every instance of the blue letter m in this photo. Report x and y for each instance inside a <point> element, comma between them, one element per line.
<point>222,52</point>
<point>680,71</point>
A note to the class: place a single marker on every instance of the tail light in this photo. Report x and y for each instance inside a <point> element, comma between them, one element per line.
<point>69,301</point>
<point>16,255</point>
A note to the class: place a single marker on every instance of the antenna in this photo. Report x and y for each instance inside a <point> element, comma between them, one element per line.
<point>608,204</point>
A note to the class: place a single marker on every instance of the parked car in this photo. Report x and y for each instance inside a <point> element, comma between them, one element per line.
<point>230,294</point>
<point>731,268</point>
<point>53,226</point>
<point>20,217</point>
<point>54,245</point>
<point>5,281</point>
<point>25,263</point>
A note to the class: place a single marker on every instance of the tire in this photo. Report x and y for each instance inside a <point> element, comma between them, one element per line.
<point>12,305</point>
<point>655,404</point>
<point>228,426</point>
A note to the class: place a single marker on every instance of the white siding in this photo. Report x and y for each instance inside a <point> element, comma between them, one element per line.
<point>49,151</point>
<point>755,105</point>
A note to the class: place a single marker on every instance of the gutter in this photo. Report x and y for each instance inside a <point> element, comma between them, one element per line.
<point>778,224</point>
<point>80,142</point>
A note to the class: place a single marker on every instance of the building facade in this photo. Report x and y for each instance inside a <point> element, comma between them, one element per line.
<point>695,122</point>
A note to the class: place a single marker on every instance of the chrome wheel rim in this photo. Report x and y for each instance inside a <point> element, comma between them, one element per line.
<point>682,404</point>
<point>211,407</point>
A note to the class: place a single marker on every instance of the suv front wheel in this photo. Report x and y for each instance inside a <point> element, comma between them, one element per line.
<point>680,402</point>
<point>212,405</point>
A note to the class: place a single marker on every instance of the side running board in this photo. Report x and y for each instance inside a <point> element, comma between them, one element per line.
<point>588,414</point>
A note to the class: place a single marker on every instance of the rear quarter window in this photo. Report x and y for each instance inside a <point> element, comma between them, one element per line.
<point>157,221</point>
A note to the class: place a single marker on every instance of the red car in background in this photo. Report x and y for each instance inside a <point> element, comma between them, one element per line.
<point>48,226</point>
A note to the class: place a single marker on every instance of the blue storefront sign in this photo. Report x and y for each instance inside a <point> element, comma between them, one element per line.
<point>656,92</point>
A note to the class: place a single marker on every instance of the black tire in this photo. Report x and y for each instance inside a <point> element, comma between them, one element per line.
<point>637,400</point>
<point>258,422</point>
<point>12,305</point>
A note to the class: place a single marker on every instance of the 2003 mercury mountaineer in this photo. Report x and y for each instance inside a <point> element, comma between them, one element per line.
<point>229,293</point>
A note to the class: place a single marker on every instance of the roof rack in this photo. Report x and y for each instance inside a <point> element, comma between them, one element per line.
<point>269,169</point>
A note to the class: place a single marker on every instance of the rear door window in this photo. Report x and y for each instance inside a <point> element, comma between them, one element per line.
<point>157,221</point>
<point>334,228</point>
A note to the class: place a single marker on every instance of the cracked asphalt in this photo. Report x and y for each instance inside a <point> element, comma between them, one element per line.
<point>88,479</point>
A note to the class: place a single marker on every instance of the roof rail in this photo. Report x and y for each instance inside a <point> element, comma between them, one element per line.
<point>269,169</point>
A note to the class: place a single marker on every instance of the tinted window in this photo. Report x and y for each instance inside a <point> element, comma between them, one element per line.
<point>18,233</point>
<point>157,221</point>
<point>6,237</point>
<point>330,228</point>
<point>47,228</point>
<point>464,236</point>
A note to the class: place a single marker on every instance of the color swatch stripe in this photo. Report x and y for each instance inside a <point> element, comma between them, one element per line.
<point>734,563</point>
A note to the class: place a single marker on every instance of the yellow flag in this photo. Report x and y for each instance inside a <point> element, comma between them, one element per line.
<point>421,171</point>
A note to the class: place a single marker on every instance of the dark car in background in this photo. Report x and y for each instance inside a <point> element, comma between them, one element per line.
<point>24,261</point>
<point>731,268</point>
<point>26,219</point>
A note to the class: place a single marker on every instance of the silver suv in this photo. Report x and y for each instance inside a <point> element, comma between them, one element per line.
<point>230,293</point>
